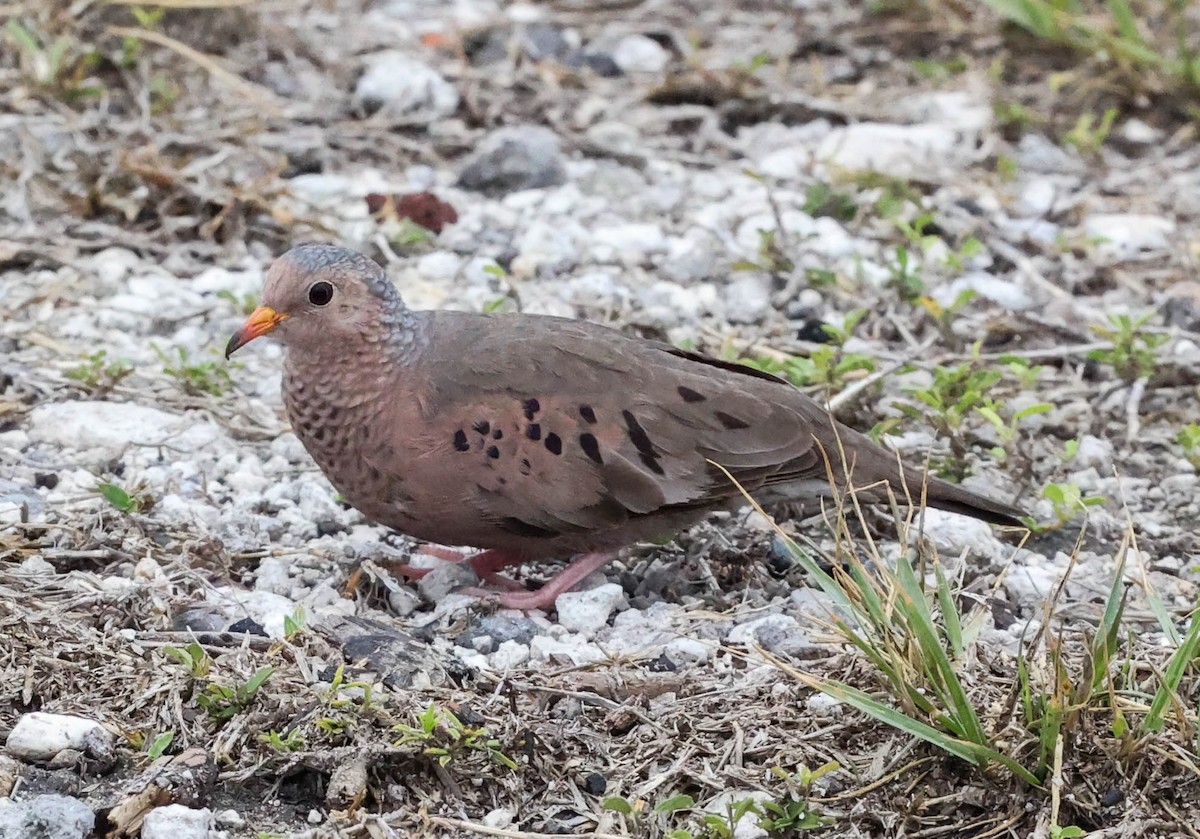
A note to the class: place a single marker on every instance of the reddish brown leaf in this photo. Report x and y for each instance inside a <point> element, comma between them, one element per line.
<point>423,208</point>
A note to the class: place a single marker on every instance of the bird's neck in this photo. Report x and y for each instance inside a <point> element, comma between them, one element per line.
<point>359,366</point>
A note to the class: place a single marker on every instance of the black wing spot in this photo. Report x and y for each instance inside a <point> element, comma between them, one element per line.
<point>588,414</point>
<point>553,443</point>
<point>531,406</point>
<point>334,412</point>
<point>523,528</point>
<point>534,431</point>
<point>497,434</point>
<point>591,447</point>
<point>482,427</point>
<point>689,395</point>
<point>730,421</point>
<point>526,466</point>
<point>493,452</point>
<point>641,441</point>
<point>460,441</point>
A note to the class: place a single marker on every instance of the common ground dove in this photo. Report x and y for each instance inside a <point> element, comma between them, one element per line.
<point>536,437</point>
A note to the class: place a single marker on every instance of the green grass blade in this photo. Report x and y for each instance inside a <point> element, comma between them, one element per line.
<point>1177,665</point>
<point>935,661</point>
<point>950,617</point>
<point>971,752</point>
<point>1105,643</point>
<point>1126,21</point>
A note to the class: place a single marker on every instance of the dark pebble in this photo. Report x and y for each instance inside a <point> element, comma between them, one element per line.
<point>595,784</point>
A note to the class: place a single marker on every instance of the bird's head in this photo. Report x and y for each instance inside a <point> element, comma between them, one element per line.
<point>317,296</point>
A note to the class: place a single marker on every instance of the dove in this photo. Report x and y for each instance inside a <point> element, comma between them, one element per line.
<point>533,438</point>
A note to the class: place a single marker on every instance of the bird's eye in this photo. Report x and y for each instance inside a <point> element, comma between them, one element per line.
<point>320,294</point>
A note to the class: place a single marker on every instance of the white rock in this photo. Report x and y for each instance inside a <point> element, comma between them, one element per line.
<point>823,705</point>
<point>1095,452</point>
<point>265,608</point>
<point>952,108</point>
<point>240,283</point>
<point>670,303</point>
<point>952,533</point>
<point>1141,133</point>
<point>112,426</point>
<point>175,821</point>
<point>147,570</point>
<point>542,647</point>
<point>637,632</point>
<point>405,87</point>
<point>1129,236</point>
<point>687,649</point>
<point>471,658</point>
<point>587,611</point>
<point>112,265</point>
<point>39,736</point>
<point>902,151</point>
<point>763,630</point>
<point>1032,578</point>
<point>1037,197</point>
<point>1000,291</point>
<point>786,164</point>
<point>35,566</point>
<point>229,818</point>
<point>508,655</point>
<point>46,817</point>
<point>499,818</point>
<point>629,243</point>
<point>403,601</point>
<point>747,297</point>
<point>439,265</point>
<point>747,827</point>
<point>639,54</point>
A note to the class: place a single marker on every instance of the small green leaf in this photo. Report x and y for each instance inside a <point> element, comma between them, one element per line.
<point>160,744</point>
<point>118,497</point>
<point>617,805</point>
<point>675,802</point>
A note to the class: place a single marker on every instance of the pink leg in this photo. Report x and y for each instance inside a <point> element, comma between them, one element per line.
<point>575,573</point>
<point>486,564</point>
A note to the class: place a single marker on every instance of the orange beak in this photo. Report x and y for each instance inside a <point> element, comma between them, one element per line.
<point>261,321</point>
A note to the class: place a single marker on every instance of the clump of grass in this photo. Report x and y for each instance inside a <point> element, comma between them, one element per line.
<point>1153,44</point>
<point>1095,689</point>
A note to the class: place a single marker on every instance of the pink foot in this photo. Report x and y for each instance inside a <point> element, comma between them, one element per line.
<point>486,564</point>
<point>575,573</point>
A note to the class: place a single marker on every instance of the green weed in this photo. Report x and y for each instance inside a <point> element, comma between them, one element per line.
<point>122,499</point>
<point>197,378</point>
<point>445,737</point>
<point>100,374</point>
<point>1134,351</point>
